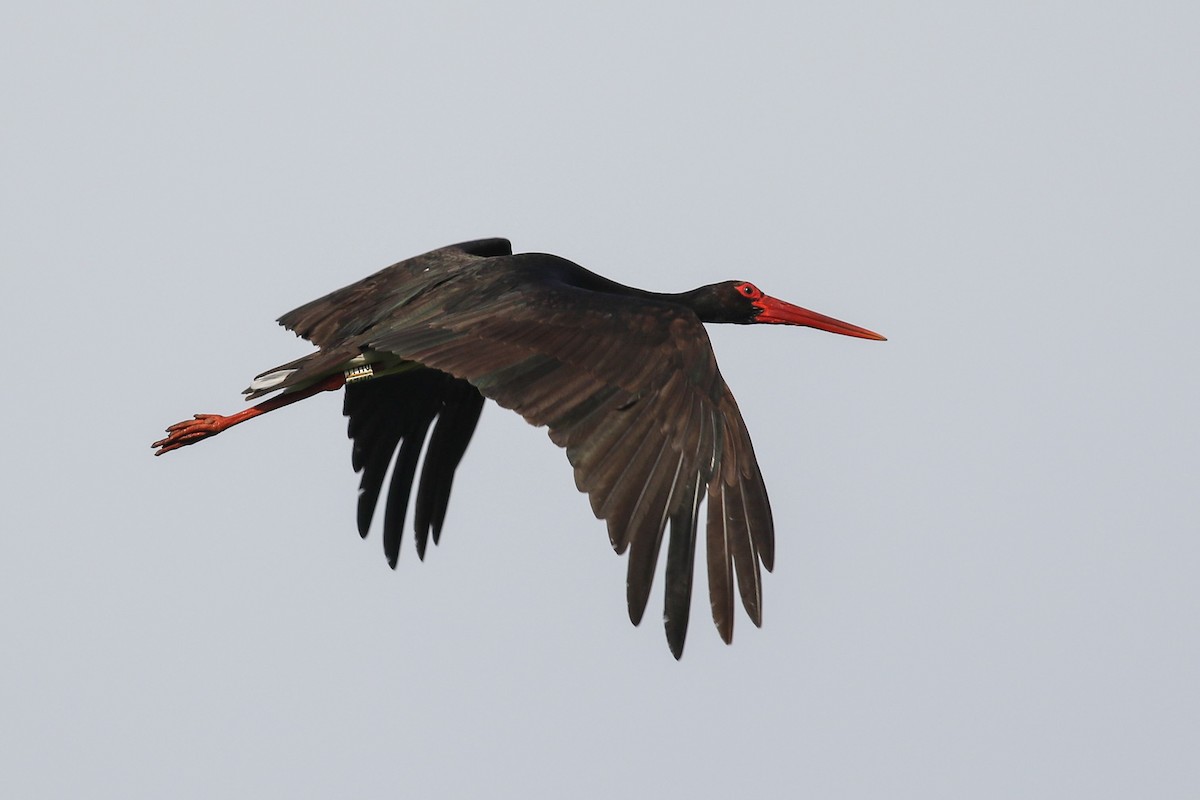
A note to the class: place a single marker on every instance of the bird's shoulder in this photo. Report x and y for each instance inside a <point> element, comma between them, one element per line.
<point>349,311</point>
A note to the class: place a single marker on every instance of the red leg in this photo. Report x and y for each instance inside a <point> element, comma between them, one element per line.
<point>202,426</point>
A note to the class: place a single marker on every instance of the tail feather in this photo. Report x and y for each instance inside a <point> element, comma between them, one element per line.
<point>300,373</point>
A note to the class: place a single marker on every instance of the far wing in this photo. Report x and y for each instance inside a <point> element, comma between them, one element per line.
<point>395,412</point>
<point>351,310</point>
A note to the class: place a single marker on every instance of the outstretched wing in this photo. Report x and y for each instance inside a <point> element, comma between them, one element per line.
<point>632,391</point>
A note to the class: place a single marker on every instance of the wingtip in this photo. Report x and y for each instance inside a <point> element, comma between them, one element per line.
<point>676,650</point>
<point>676,636</point>
<point>635,613</point>
<point>757,619</point>
<point>725,631</point>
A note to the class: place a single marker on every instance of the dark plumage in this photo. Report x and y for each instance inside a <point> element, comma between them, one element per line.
<point>625,380</point>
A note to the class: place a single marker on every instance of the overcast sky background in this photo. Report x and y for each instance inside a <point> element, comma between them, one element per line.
<point>987,527</point>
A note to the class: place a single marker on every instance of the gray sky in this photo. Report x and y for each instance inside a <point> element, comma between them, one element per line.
<point>987,527</point>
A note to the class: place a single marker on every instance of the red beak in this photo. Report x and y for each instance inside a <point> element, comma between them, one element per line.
<point>781,313</point>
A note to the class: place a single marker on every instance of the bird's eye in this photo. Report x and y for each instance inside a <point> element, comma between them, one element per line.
<point>749,290</point>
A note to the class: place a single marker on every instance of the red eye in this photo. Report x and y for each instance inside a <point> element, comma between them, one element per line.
<point>749,290</point>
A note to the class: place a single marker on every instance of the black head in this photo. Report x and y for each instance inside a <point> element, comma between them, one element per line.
<point>728,301</point>
<point>743,303</point>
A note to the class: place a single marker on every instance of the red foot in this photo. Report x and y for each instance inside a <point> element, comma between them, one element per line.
<point>190,431</point>
<point>202,426</point>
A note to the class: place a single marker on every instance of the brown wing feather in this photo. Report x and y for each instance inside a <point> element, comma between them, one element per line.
<point>633,393</point>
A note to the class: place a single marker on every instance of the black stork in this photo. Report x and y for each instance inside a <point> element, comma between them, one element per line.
<point>625,380</point>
